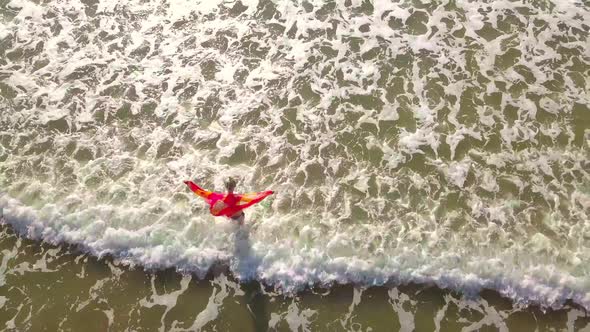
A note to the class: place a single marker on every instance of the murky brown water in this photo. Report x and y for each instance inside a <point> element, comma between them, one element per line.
<point>443,145</point>
<point>48,288</point>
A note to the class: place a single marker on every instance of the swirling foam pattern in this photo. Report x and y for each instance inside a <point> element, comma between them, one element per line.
<point>407,142</point>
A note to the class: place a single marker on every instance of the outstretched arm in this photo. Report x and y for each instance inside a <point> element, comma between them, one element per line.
<point>198,190</point>
<point>233,209</point>
<point>262,196</point>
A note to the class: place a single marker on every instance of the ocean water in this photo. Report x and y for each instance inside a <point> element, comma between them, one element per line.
<point>436,144</point>
<point>44,287</point>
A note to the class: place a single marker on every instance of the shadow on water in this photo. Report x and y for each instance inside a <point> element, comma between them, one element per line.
<point>246,264</point>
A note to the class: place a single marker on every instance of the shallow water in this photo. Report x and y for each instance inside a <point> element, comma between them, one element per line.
<point>59,288</point>
<point>416,143</point>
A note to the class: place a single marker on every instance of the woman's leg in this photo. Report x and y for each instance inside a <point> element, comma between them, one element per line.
<point>239,218</point>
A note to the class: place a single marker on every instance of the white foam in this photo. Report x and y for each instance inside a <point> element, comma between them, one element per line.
<point>111,182</point>
<point>457,173</point>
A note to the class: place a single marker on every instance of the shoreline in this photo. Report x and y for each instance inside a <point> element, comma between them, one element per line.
<point>223,269</point>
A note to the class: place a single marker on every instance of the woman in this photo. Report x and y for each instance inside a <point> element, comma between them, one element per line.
<point>228,204</point>
<point>228,201</point>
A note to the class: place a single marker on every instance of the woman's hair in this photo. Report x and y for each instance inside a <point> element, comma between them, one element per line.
<point>230,184</point>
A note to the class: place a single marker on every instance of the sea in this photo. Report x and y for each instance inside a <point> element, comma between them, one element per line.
<point>430,162</point>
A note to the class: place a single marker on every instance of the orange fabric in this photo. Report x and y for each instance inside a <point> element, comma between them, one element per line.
<point>233,202</point>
